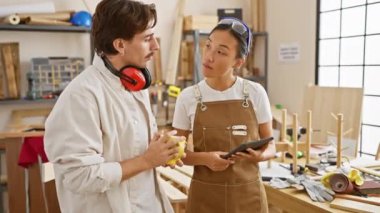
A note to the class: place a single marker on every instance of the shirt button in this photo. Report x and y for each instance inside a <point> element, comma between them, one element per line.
<point>135,122</point>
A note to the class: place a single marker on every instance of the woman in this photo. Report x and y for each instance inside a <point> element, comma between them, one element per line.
<point>222,112</point>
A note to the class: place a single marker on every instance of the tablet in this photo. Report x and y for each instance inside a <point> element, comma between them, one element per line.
<point>253,145</point>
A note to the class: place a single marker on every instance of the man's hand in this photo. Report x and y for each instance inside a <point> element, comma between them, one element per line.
<point>216,163</point>
<point>161,149</point>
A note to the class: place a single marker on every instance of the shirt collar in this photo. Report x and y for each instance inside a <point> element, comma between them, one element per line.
<point>98,63</point>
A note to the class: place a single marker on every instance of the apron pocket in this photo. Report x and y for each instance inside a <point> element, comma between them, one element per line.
<point>216,139</point>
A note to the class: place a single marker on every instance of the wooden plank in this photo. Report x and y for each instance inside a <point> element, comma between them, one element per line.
<point>16,64</point>
<point>177,177</point>
<point>295,201</point>
<point>2,78</point>
<point>10,72</point>
<point>200,22</point>
<point>185,169</point>
<point>19,118</point>
<point>377,157</point>
<point>174,194</point>
<point>51,197</point>
<point>347,101</point>
<point>370,200</point>
<point>277,116</point>
<point>255,15</point>
<point>353,206</point>
<point>16,175</point>
<point>157,65</point>
<point>262,15</point>
<point>36,192</point>
<point>171,73</point>
<point>185,62</point>
<point>20,134</point>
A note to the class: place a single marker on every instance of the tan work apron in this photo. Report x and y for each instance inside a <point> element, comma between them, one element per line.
<point>221,126</point>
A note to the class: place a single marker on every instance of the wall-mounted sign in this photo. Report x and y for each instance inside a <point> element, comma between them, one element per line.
<point>289,52</point>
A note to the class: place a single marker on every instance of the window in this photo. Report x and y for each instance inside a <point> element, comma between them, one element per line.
<point>348,55</point>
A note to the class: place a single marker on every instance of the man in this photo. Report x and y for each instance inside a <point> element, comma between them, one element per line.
<point>101,133</point>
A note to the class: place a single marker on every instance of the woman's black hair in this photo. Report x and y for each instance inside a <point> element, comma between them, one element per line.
<point>243,46</point>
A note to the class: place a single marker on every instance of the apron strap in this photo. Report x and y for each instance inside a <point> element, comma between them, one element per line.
<point>198,97</point>
<point>245,93</point>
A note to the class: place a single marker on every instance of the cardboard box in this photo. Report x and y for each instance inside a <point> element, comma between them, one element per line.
<point>200,22</point>
<point>230,12</point>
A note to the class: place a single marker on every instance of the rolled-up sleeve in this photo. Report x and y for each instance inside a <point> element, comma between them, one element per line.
<point>73,143</point>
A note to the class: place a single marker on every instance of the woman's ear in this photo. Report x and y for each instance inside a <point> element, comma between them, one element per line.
<point>239,62</point>
<point>119,45</point>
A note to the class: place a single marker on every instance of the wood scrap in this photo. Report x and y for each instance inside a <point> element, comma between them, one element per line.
<point>354,206</point>
<point>369,200</point>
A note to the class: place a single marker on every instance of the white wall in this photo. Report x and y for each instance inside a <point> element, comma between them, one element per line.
<point>38,44</point>
<point>291,21</point>
<point>287,21</point>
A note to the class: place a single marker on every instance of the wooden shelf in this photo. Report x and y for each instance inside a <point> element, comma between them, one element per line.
<point>44,28</point>
<point>26,101</point>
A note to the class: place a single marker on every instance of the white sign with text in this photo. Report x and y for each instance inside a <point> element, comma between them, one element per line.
<point>289,52</point>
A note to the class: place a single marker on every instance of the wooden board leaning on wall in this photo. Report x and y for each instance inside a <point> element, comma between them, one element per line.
<point>9,71</point>
<point>325,101</point>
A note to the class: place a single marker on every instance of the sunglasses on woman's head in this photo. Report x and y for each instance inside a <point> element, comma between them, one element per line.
<point>238,27</point>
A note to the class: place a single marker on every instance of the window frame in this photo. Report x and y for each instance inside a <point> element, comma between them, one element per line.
<point>339,65</point>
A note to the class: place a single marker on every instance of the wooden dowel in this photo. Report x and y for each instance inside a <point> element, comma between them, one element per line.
<point>283,125</point>
<point>283,131</point>
<point>295,139</point>
<point>339,141</point>
<point>308,136</point>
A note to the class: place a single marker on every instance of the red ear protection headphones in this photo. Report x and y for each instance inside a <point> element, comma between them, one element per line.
<point>131,77</point>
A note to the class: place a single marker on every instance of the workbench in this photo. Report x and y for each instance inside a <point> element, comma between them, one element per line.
<point>287,200</point>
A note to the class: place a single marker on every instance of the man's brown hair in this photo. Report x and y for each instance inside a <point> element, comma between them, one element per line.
<point>119,19</point>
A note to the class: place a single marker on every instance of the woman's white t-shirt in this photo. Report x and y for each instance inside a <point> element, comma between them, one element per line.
<point>186,102</point>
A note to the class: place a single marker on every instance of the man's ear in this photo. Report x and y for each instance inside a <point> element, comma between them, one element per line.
<point>119,45</point>
<point>239,62</point>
